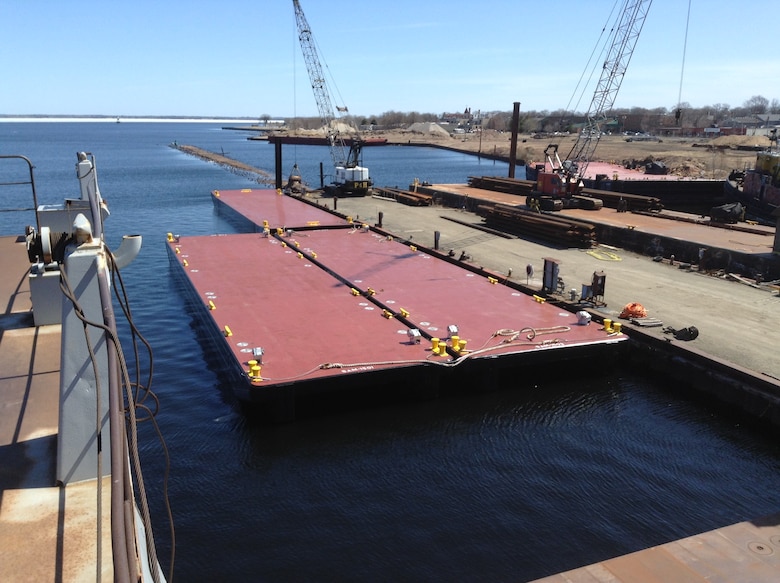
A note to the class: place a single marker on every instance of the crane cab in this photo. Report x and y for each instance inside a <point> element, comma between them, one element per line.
<point>550,183</point>
<point>352,181</point>
<point>555,191</point>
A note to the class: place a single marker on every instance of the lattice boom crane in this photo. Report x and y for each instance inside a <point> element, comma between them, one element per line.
<point>561,187</point>
<point>350,178</point>
<point>632,18</point>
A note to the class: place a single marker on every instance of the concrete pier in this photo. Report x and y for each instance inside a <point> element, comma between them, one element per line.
<point>737,331</point>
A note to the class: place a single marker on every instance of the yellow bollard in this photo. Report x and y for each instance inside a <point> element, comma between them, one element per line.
<point>607,324</point>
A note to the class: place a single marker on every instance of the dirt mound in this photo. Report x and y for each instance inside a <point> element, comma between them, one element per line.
<point>340,127</point>
<point>428,129</point>
<point>686,167</point>
<point>739,141</point>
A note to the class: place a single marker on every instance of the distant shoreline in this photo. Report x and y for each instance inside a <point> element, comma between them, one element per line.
<point>121,119</point>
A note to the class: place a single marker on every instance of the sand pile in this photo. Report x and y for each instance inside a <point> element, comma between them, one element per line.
<point>737,141</point>
<point>428,129</point>
<point>339,127</point>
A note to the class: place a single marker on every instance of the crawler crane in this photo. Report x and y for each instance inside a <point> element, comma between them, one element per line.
<point>560,187</point>
<point>351,179</point>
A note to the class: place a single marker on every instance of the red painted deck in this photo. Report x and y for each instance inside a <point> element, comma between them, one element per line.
<point>348,297</point>
<point>610,169</point>
<point>260,205</point>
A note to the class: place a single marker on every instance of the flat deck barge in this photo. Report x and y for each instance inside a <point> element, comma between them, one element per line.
<point>316,303</point>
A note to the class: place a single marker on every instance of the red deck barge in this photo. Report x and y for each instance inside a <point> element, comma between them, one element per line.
<point>324,305</point>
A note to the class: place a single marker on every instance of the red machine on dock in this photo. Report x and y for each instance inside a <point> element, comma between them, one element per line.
<point>560,187</point>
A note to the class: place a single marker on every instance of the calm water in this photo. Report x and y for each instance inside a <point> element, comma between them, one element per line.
<point>508,486</point>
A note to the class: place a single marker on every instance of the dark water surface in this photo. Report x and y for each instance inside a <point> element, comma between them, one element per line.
<point>507,486</point>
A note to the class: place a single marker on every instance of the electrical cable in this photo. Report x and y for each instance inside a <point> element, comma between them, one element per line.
<point>139,403</point>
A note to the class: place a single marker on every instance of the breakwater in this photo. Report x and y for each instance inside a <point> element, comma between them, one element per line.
<point>251,172</point>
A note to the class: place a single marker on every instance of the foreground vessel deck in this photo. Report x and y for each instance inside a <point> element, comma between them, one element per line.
<point>47,532</point>
<point>746,551</point>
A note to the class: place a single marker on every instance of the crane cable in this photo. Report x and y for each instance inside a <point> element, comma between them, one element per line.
<point>588,66</point>
<point>678,113</point>
<point>295,86</point>
<point>340,111</point>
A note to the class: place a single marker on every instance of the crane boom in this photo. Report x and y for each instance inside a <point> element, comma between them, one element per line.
<point>350,178</point>
<point>632,18</point>
<point>319,86</point>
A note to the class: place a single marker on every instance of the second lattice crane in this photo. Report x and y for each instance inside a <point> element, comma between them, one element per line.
<point>560,187</point>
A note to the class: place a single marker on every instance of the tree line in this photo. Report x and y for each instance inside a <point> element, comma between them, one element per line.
<point>683,115</point>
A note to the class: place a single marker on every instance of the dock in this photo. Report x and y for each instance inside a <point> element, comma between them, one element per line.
<point>664,233</point>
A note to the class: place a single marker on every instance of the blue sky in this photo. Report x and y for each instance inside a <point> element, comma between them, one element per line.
<point>242,58</point>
